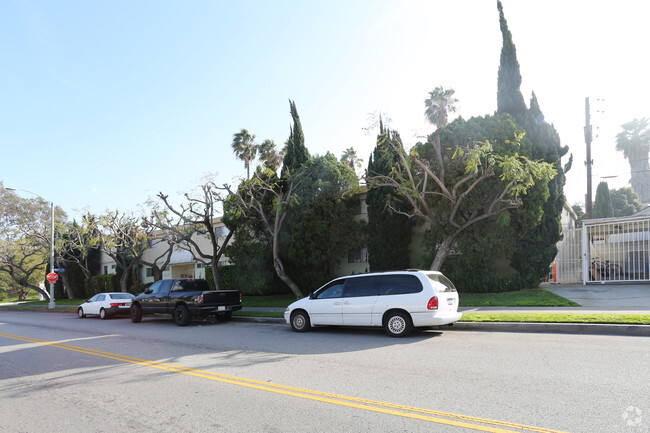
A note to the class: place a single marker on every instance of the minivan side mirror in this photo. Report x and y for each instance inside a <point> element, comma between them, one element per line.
<point>148,291</point>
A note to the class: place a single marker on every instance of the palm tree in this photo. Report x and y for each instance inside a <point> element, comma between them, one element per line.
<point>439,104</point>
<point>244,147</point>
<point>350,158</point>
<point>634,142</point>
<point>269,155</point>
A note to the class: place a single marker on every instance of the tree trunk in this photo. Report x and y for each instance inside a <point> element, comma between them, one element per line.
<point>66,285</point>
<point>441,255</point>
<point>215,274</point>
<point>279,270</point>
<point>44,293</point>
<point>279,266</point>
<point>124,280</point>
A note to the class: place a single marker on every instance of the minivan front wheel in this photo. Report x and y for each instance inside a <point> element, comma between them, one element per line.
<point>300,321</point>
<point>398,324</point>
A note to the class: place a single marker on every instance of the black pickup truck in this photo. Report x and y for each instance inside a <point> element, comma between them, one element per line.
<point>184,298</point>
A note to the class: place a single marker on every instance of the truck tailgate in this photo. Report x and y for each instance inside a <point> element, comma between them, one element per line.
<point>221,297</point>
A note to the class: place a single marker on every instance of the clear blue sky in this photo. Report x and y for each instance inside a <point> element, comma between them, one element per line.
<point>103,104</point>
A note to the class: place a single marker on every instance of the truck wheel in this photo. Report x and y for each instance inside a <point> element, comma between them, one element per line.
<point>224,317</point>
<point>136,313</point>
<point>182,315</point>
<point>300,321</point>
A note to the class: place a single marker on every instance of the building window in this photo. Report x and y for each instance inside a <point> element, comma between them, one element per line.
<point>113,267</point>
<point>200,265</point>
<point>358,256</point>
<point>105,270</point>
<point>149,272</point>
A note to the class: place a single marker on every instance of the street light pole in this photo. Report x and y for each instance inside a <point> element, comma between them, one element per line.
<point>51,304</point>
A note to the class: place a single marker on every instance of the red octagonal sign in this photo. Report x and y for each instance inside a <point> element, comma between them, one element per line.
<point>52,277</point>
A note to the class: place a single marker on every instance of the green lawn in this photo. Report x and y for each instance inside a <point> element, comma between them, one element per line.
<point>629,319</point>
<point>520,298</point>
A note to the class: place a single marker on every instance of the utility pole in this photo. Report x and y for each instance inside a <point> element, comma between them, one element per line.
<point>589,162</point>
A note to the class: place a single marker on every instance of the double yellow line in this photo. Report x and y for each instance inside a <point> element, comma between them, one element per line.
<point>464,421</point>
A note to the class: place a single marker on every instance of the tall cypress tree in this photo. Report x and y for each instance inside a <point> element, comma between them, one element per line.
<point>389,233</point>
<point>536,246</point>
<point>297,153</point>
<point>603,207</point>
<point>509,97</point>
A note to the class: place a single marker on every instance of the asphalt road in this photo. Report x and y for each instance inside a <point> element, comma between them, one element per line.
<point>59,373</point>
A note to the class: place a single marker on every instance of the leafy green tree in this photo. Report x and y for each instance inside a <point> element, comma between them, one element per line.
<point>245,148</point>
<point>603,203</point>
<point>625,202</point>
<point>479,184</point>
<point>322,228</point>
<point>634,142</point>
<point>25,237</point>
<point>537,244</point>
<point>389,233</point>
<point>265,200</point>
<point>297,154</point>
<point>580,213</point>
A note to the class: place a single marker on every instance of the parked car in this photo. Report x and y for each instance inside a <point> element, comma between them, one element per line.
<point>398,301</point>
<point>106,305</point>
<point>184,298</point>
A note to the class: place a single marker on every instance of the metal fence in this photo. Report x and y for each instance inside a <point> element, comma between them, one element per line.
<point>605,250</point>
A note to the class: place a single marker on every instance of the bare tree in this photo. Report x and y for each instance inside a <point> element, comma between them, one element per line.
<point>197,215</point>
<point>122,238</point>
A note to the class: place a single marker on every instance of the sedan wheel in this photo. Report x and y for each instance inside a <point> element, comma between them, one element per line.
<point>102,314</point>
<point>398,324</point>
<point>80,313</point>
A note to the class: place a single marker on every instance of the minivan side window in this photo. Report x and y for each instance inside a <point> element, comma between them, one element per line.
<point>334,290</point>
<point>362,286</point>
<point>400,284</point>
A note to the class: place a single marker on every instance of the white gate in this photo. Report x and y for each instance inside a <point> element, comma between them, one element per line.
<point>604,250</point>
<point>616,250</point>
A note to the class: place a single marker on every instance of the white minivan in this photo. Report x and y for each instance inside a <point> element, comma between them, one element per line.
<point>398,301</point>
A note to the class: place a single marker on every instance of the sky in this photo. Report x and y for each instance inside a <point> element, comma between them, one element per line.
<point>105,104</point>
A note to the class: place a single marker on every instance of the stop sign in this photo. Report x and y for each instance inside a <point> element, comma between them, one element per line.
<point>52,277</point>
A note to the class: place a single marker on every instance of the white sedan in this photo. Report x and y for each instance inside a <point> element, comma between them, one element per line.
<point>106,305</point>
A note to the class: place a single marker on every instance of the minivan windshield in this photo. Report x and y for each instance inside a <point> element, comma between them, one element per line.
<point>448,285</point>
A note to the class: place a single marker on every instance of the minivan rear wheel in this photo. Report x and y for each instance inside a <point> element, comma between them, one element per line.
<point>300,321</point>
<point>398,324</point>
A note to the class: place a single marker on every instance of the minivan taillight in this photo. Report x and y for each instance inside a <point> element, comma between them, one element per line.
<point>433,303</point>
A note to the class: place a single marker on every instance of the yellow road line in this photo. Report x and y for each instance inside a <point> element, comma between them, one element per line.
<point>358,403</point>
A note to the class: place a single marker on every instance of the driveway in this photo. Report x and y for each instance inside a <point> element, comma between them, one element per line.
<point>614,296</point>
